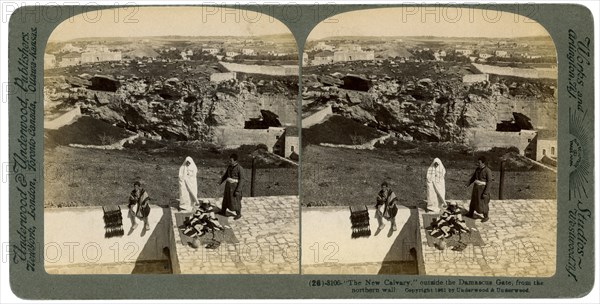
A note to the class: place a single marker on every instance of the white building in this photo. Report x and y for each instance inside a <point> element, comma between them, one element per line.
<point>231,54</point>
<point>211,51</point>
<point>325,57</point>
<point>68,48</point>
<point>292,143</point>
<point>350,47</point>
<point>96,48</point>
<point>184,55</point>
<point>70,60</point>
<point>322,46</point>
<point>501,54</point>
<point>91,57</point>
<point>49,61</point>
<point>529,56</point>
<point>276,54</point>
<point>546,141</point>
<point>439,56</point>
<point>342,56</point>
<point>248,52</point>
<point>464,52</point>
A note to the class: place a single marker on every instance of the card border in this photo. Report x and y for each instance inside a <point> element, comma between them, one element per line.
<point>40,285</point>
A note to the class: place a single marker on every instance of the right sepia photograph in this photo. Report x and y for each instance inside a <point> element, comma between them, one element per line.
<point>429,144</point>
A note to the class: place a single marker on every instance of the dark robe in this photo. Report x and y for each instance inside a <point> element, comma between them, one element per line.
<point>480,197</point>
<point>389,204</point>
<point>138,203</point>
<point>232,196</point>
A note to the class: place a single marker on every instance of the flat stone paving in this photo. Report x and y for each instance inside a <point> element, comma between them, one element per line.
<point>268,235</point>
<point>520,241</point>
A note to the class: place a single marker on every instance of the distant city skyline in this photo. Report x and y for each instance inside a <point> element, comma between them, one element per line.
<point>443,22</point>
<point>167,21</point>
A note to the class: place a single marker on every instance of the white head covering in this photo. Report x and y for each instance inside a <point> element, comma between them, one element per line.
<point>189,169</point>
<point>436,174</point>
<point>436,186</point>
<point>188,189</point>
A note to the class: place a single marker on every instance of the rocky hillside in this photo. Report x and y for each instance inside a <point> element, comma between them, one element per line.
<point>175,103</point>
<point>424,101</point>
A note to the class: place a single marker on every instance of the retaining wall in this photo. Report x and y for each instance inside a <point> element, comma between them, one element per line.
<point>316,117</point>
<point>64,119</point>
<point>517,72</point>
<point>284,70</point>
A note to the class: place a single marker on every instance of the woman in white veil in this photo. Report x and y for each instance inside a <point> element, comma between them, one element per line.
<point>188,189</point>
<point>436,186</point>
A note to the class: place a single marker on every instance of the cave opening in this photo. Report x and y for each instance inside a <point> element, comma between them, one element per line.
<point>519,122</point>
<point>268,119</point>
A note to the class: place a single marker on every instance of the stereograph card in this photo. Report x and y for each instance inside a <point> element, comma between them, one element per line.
<point>301,151</point>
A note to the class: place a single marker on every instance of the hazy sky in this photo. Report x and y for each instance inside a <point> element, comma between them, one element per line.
<point>161,21</point>
<point>430,21</point>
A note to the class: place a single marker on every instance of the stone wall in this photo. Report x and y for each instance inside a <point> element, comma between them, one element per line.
<point>483,140</point>
<point>292,144</point>
<point>321,60</point>
<point>543,115</point>
<point>470,78</point>
<point>285,108</point>
<point>517,72</point>
<point>64,119</point>
<point>316,117</point>
<point>218,77</point>
<point>285,70</point>
<point>233,137</point>
<point>342,56</point>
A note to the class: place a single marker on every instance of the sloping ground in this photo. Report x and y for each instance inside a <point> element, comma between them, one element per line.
<point>337,176</point>
<point>208,151</point>
<point>142,51</point>
<point>339,130</point>
<point>85,131</point>
<point>84,177</point>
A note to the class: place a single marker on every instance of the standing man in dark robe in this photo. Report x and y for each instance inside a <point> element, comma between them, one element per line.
<point>480,197</point>
<point>232,196</point>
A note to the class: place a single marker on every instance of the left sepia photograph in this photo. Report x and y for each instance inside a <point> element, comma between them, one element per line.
<point>171,143</point>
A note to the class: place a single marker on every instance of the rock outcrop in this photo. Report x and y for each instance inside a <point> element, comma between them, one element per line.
<point>440,109</point>
<point>171,108</point>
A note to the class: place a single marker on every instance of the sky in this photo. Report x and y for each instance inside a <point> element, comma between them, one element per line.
<point>162,21</point>
<point>431,21</point>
